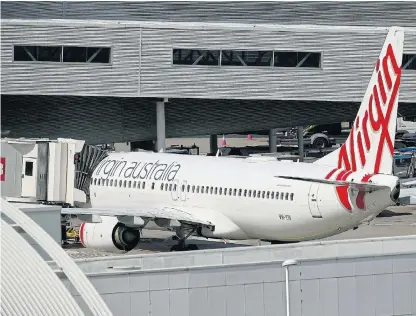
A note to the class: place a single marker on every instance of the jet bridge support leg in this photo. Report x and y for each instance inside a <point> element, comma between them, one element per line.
<point>160,125</point>
<point>300,142</point>
<point>273,140</point>
<point>213,144</point>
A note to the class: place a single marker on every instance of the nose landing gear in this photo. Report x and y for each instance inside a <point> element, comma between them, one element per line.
<point>182,246</point>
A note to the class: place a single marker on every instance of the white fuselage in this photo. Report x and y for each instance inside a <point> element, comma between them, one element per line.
<point>240,194</point>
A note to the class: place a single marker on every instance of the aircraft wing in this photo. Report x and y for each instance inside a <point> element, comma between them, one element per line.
<point>145,213</point>
<point>362,186</point>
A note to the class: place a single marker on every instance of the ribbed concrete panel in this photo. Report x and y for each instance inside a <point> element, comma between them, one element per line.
<point>117,79</point>
<point>348,61</point>
<point>305,12</point>
<point>142,62</point>
<point>105,119</point>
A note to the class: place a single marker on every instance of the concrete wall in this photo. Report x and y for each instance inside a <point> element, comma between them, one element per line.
<point>142,61</point>
<point>376,285</point>
<point>375,13</point>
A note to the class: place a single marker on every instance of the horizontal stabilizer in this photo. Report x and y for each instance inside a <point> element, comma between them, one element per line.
<point>367,187</point>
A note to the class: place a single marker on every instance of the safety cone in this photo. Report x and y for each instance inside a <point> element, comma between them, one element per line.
<point>223,142</point>
<point>249,137</point>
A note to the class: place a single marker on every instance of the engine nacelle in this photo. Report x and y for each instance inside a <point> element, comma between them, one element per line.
<point>109,235</point>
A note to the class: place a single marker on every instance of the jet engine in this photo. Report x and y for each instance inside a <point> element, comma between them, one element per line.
<point>109,235</point>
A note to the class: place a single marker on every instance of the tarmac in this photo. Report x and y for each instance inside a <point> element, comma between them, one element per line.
<point>394,221</point>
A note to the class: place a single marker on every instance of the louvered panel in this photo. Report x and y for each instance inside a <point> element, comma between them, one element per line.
<point>380,13</point>
<point>348,61</point>
<point>117,79</point>
<point>105,120</point>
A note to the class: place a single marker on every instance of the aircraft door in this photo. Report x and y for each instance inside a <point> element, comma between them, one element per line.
<point>183,191</point>
<point>313,200</point>
<point>175,190</point>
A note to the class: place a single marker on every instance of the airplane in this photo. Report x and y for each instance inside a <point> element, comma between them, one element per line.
<point>240,199</point>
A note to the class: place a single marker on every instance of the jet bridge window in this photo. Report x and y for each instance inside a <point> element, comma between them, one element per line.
<point>297,59</point>
<point>74,54</point>
<point>409,61</point>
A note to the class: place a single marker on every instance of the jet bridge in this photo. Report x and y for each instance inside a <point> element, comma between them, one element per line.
<point>47,171</point>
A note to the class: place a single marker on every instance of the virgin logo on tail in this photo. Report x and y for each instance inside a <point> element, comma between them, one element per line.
<point>367,125</point>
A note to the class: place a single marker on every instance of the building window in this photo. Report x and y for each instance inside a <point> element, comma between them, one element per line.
<point>297,59</point>
<point>243,58</point>
<point>195,57</point>
<point>37,53</point>
<point>246,58</point>
<point>409,61</point>
<point>61,53</point>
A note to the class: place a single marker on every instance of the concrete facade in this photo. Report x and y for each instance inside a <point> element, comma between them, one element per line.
<point>372,277</point>
<point>116,102</point>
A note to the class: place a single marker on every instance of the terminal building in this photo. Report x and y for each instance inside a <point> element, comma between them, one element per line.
<point>120,72</point>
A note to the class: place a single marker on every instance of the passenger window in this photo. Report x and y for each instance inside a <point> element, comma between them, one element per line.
<point>189,187</point>
<point>174,187</point>
<point>254,193</point>
<point>143,184</point>
<point>138,184</point>
<point>95,181</point>
<point>202,189</point>
<point>268,194</point>
<point>153,185</point>
<point>235,192</point>
<point>239,192</point>
<point>115,183</point>
<point>282,195</point>
<point>106,182</point>
<point>291,196</point>
<point>183,187</point>
<point>125,183</point>
<point>216,190</point>
<point>129,184</point>
<point>230,192</point>
<point>134,184</point>
<point>258,194</point>
<point>272,195</point>
<point>263,194</point>
<point>245,192</point>
<point>277,195</point>
<point>170,187</point>
<point>211,190</point>
<point>287,196</point>
<point>220,191</point>
<point>120,183</point>
<point>166,186</point>
<point>197,189</point>
<point>193,189</point>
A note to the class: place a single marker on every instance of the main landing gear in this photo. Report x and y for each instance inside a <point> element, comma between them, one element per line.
<point>181,237</point>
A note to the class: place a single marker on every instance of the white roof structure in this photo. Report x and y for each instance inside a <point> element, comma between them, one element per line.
<point>29,286</point>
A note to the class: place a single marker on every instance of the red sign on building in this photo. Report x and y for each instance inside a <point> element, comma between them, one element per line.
<point>2,169</point>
